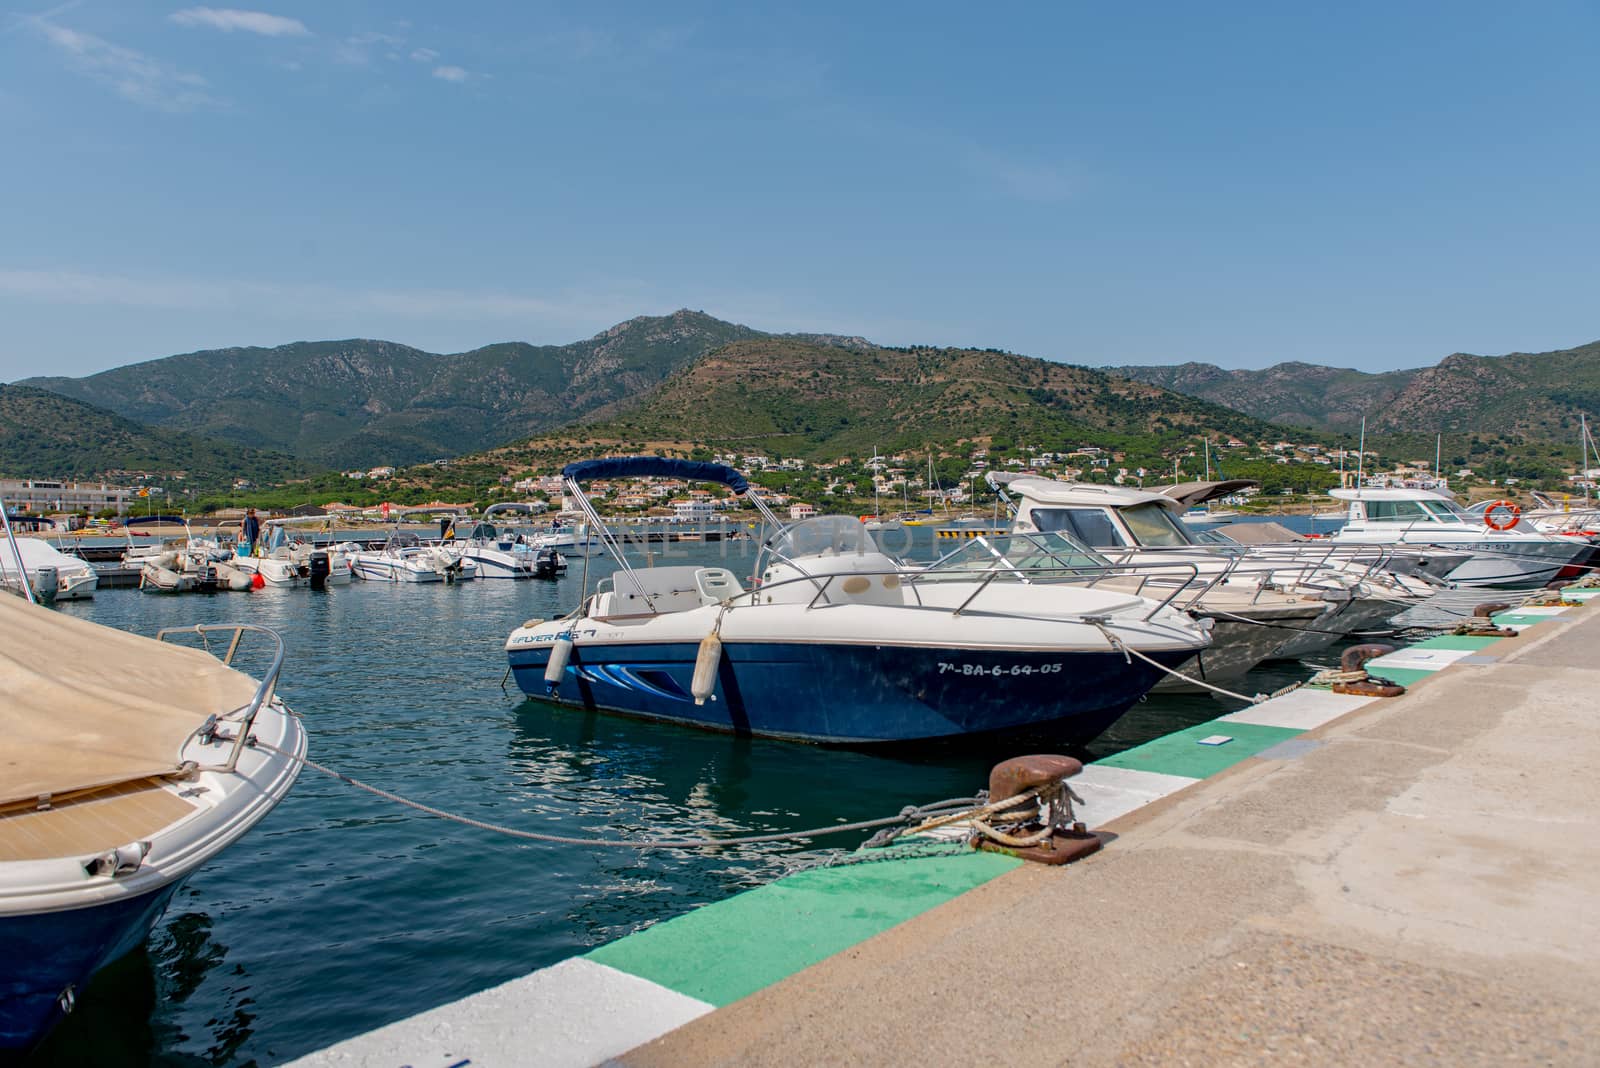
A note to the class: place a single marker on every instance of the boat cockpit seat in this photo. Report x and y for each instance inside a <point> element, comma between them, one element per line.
<point>716,584</point>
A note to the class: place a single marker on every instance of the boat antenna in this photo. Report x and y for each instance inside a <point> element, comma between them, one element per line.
<point>16,550</point>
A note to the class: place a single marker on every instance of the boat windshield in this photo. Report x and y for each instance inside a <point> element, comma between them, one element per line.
<point>1018,558</point>
<point>1443,511</point>
<point>1152,526</point>
<point>824,535</point>
<point>403,539</point>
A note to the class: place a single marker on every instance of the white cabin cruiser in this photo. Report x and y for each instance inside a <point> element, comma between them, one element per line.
<point>839,643</point>
<point>126,770</point>
<point>1418,517</point>
<point>1139,528</point>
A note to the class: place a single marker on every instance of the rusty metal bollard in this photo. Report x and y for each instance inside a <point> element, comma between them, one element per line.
<point>1482,624</point>
<point>1067,839</point>
<point>1353,661</point>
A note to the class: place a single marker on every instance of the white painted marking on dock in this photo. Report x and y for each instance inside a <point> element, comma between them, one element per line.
<point>575,1013</point>
<point>1541,610</point>
<point>1301,710</point>
<point>1110,792</point>
<point>1415,659</point>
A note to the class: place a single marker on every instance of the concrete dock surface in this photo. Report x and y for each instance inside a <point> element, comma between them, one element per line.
<point>1417,882</point>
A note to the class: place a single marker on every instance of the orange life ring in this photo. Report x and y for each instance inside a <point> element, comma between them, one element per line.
<point>1510,506</point>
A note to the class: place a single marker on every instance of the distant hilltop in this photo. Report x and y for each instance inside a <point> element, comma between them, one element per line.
<point>1538,394</point>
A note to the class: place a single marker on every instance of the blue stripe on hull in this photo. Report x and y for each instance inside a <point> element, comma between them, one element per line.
<point>854,693</point>
<point>46,952</point>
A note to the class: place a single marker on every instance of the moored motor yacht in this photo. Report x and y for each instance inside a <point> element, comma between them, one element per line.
<point>839,643</point>
<point>1138,528</point>
<point>1416,517</point>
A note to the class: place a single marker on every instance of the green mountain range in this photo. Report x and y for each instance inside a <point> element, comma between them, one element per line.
<point>1539,395</point>
<point>46,435</point>
<point>360,403</point>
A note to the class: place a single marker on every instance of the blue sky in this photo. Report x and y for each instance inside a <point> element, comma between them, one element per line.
<point>1369,185</point>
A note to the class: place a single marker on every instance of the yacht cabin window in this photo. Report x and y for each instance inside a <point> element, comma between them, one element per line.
<point>1091,526</point>
<point>1411,512</point>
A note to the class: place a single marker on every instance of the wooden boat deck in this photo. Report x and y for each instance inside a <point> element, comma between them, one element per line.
<point>91,822</point>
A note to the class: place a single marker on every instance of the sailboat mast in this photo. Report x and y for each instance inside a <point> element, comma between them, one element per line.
<point>1361,452</point>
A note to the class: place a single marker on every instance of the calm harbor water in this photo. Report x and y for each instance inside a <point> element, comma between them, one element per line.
<point>342,912</point>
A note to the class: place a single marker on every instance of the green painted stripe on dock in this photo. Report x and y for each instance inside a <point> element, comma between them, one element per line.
<point>1404,676</point>
<point>733,948</point>
<point>1454,641</point>
<point>1182,753</point>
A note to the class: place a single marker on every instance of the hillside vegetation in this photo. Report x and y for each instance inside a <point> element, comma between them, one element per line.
<point>788,397</point>
<point>360,403</point>
<point>45,435</point>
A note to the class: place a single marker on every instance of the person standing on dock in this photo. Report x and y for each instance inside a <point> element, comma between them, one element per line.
<point>249,531</point>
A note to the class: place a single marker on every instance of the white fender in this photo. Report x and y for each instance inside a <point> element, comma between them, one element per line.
<point>706,663</point>
<point>560,653</point>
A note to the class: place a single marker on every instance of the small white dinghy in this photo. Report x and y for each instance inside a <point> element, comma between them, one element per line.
<point>125,770</point>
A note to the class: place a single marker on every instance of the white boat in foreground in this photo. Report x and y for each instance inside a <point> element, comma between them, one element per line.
<point>126,770</point>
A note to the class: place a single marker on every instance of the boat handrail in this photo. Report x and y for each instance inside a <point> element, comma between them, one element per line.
<point>245,715</point>
<point>912,579</point>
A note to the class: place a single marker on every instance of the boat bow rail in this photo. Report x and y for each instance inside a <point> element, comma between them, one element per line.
<point>245,715</point>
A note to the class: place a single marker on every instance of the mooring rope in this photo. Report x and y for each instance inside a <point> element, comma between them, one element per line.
<point>907,815</point>
<point>1127,650</point>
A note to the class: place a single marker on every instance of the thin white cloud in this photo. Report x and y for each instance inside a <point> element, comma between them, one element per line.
<point>1041,183</point>
<point>358,50</point>
<point>87,289</point>
<point>131,75</point>
<point>451,74</point>
<point>424,55</point>
<point>229,19</point>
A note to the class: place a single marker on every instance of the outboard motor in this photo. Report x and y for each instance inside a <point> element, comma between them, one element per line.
<point>546,564</point>
<point>46,584</point>
<point>320,569</point>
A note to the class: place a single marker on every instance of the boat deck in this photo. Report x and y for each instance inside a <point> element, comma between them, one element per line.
<point>91,822</point>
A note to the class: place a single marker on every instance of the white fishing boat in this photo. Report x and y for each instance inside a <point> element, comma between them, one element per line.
<point>404,558</point>
<point>1505,558</point>
<point>127,769</point>
<point>839,643</point>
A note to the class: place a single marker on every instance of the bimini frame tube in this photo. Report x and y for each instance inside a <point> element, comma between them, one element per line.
<point>16,550</point>
<point>575,474</point>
